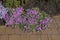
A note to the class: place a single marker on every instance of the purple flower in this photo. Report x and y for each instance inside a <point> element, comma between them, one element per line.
<point>11,21</point>
<point>15,14</point>
<point>3,11</point>
<point>6,17</point>
<point>44,21</point>
<point>30,11</point>
<point>19,20</point>
<point>19,10</point>
<point>31,20</point>
<point>1,6</point>
<point>43,26</point>
<point>38,28</point>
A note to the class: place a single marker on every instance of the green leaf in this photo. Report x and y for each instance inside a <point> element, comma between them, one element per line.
<point>18,3</point>
<point>20,26</point>
<point>36,8</point>
<point>39,17</point>
<point>44,14</point>
<point>23,15</point>
<point>7,5</point>
<point>9,1</point>
<point>32,27</point>
<point>13,26</point>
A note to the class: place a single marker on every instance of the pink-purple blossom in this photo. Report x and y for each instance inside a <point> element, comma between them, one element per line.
<point>19,10</point>
<point>11,21</point>
<point>31,21</point>
<point>19,20</point>
<point>38,28</point>
<point>30,11</point>
<point>44,21</point>
<point>6,17</point>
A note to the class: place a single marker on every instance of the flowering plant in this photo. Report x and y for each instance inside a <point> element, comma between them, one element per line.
<point>28,20</point>
<point>3,11</point>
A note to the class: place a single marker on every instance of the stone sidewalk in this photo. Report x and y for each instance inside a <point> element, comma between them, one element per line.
<point>52,32</point>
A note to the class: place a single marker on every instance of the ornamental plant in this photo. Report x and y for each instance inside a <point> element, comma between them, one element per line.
<point>28,20</point>
<point>3,11</point>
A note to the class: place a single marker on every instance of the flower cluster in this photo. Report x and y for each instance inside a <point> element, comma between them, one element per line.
<point>15,18</point>
<point>29,20</point>
<point>3,11</point>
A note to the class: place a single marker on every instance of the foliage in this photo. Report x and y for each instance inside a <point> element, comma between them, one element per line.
<point>14,3</point>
